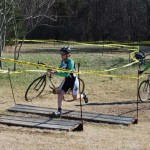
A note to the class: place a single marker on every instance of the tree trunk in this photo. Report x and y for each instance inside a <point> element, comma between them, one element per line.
<point>0,51</point>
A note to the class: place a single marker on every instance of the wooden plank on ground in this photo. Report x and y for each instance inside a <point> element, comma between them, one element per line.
<point>95,117</point>
<point>35,109</point>
<point>47,123</point>
<point>71,114</point>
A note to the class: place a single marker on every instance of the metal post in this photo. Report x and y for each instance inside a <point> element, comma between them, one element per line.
<point>136,121</point>
<point>137,93</point>
<point>138,81</point>
<point>81,126</point>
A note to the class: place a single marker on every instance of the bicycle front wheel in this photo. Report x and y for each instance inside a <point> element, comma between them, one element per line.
<point>35,88</point>
<point>144,91</point>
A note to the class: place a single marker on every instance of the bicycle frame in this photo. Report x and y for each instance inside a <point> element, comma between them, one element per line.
<point>38,85</point>
<point>54,88</point>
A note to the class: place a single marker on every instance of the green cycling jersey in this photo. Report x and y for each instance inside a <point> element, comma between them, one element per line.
<point>146,67</point>
<point>66,64</point>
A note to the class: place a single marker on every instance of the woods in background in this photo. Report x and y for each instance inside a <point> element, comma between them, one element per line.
<point>79,20</point>
<point>94,20</point>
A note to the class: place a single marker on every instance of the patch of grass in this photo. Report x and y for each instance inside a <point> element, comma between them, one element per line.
<point>89,62</point>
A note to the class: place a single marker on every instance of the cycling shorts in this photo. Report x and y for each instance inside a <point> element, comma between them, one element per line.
<point>70,83</point>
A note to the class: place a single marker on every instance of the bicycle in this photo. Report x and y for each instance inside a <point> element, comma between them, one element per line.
<point>38,85</point>
<point>144,89</point>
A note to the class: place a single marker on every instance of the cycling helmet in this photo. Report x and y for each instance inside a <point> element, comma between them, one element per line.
<point>65,50</point>
<point>139,55</point>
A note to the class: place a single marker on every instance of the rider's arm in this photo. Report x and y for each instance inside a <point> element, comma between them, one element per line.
<point>70,67</point>
<point>62,74</point>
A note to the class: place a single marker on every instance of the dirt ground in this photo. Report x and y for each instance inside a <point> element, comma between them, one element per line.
<point>110,97</point>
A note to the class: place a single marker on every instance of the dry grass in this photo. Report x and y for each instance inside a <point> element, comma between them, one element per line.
<point>104,98</point>
<point>107,96</point>
<point>101,136</point>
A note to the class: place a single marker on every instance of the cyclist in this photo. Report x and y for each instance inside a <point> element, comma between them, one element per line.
<point>70,81</point>
<point>141,57</point>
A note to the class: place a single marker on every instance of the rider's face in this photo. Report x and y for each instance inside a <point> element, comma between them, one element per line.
<point>64,56</point>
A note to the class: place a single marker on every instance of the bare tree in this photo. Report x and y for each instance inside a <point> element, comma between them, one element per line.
<point>5,19</point>
<point>32,13</point>
<point>25,16</point>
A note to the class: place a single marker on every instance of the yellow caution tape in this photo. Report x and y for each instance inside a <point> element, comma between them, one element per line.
<point>37,65</point>
<point>115,76</point>
<point>95,72</point>
<point>64,70</point>
<point>22,71</point>
<point>59,69</point>
<point>128,47</point>
<point>103,75</point>
<point>3,71</point>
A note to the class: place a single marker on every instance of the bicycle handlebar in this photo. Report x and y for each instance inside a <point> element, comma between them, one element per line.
<point>50,76</point>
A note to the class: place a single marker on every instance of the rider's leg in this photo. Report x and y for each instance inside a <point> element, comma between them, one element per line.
<point>60,98</point>
<point>76,97</point>
<point>75,92</point>
<point>83,96</point>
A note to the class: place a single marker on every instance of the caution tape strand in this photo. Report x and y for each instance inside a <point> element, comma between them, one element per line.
<point>95,72</point>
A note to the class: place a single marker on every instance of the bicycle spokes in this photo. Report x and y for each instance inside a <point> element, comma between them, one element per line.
<point>144,91</point>
<point>35,88</point>
<point>39,85</point>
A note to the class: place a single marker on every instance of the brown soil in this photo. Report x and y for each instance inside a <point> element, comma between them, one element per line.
<point>116,97</point>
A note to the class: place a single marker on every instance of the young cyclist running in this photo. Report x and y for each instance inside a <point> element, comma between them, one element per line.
<point>70,81</point>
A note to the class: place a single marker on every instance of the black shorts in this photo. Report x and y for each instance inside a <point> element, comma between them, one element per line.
<point>68,83</point>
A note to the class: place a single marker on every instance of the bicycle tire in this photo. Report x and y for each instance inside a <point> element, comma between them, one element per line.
<point>35,88</point>
<point>144,90</point>
<point>82,85</point>
<point>68,95</point>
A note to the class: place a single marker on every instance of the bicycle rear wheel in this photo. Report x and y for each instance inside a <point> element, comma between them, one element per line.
<point>68,95</point>
<point>144,91</point>
<point>35,88</point>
